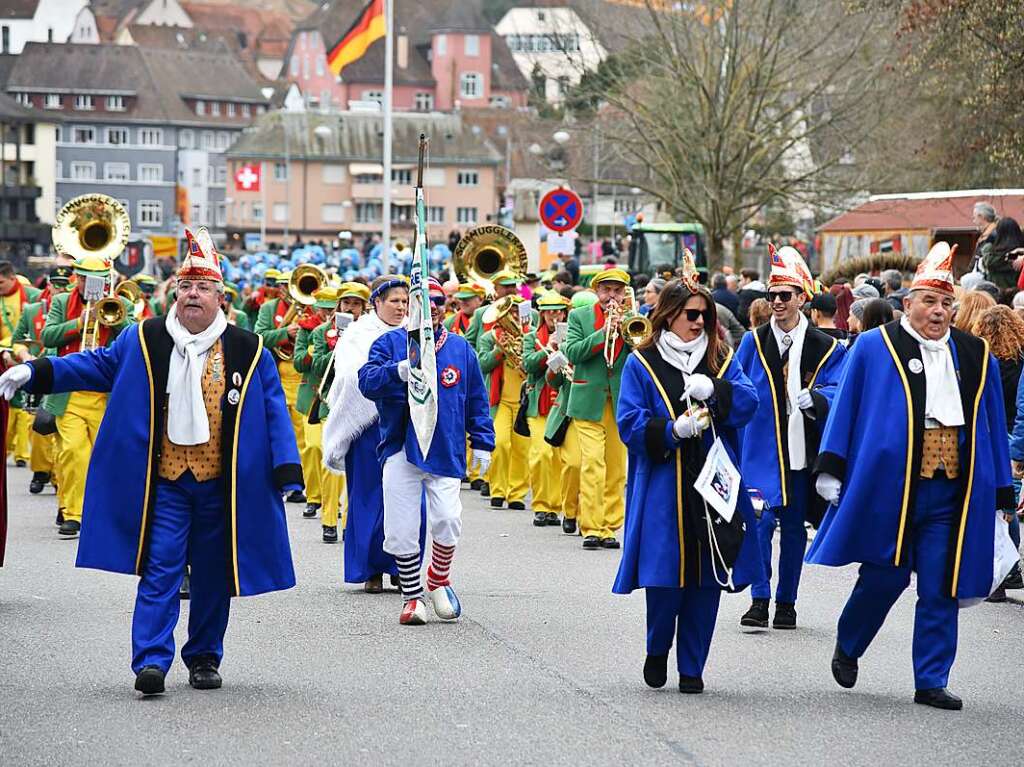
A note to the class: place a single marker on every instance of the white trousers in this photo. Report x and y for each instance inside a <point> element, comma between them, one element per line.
<point>404,485</point>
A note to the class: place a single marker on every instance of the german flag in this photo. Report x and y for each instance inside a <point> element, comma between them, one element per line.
<point>369,27</point>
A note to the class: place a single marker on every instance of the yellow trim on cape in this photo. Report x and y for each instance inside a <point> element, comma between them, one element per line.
<point>778,420</point>
<point>234,464</point>
<point>910,446</point>
<point>821,364</point>
<point>149,454</point>
<point>970,472</point>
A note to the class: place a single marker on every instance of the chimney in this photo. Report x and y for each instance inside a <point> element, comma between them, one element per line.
<point>402,51</point>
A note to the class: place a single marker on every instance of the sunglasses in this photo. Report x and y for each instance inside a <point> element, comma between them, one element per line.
<point>694,314</point>
<point>438,300</point>
<point>785,296</point>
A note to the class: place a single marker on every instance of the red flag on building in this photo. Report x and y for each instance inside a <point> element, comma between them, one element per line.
<point>369,27</point>
<point>247,178</point>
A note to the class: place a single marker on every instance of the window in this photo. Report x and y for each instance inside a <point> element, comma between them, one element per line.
<point>246,111</point>
<point>58,168</point>
<point>377,96</point>
<point>319,66</point>
<point>369,178</point>
<point>186,139</point>
<point>295,66</point>
<point>223,139</point>
<point>280,212</point>
<point>472,45</point>
<point>471,85</point>
<point>402,214</point>
<point>83,171</point>
<point>197,214</point>
<point>500,102</point>
<point>222,174</point>
<point>115,171</point>
<point>469,178</point>
<point>231,109</point>
<point>305,67</point>
<point>401,176</point>
<point>151,173</point>
<point>332,174</point>
<point>115,103</point>
<point>435,214</point>
<point>52,101</point>
<point>222,214</point>
<point>211,177</point>
<point>5,39</point>
<point>83,103</point>
<point>465,215</point>
<point>197,177</point>
<point>423,102</point>
<point>215,108</point>
<point>23,98</point>
<point>280,171</point>
<point>83,134</point>
<point>151,213</point>
<point>332,213</point>
<point>441,43</point>
<point>200,107</point>
<point>117,135</point>
<point>151,136</point>
<point>257,211</point>
<point>208,141</point>
<point>369,212</point>
<point>325,99</point>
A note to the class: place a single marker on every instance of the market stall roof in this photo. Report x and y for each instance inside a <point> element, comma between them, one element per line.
<point>925,210</point>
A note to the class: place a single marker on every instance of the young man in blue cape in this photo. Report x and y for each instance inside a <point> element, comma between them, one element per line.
<point>915,463</point>
<point>190,461</point>
<point>794,368</point>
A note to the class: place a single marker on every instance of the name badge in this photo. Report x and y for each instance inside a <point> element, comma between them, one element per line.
<point>915,365</point>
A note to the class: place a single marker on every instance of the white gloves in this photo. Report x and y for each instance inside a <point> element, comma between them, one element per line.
<point>403,370</point>
<point>14,379</point>
<point>481,460</point>
<point>804,401</point>
<point>698,387</point>
<point>556,362</point>
<point>828,487</point>
<point>691,424</point>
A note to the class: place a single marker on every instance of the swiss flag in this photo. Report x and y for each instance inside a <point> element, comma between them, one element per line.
<point>247,178</point>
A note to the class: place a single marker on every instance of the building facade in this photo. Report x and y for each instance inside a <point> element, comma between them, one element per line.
<point>36,21</point>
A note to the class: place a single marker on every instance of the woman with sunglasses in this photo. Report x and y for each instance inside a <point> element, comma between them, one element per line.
<point>674,386</point>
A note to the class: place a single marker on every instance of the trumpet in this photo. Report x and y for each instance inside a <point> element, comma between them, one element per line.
<point>626,323</point>
<point>304,282</point>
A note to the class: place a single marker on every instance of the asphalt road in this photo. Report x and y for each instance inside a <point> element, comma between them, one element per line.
<point>544,668</point>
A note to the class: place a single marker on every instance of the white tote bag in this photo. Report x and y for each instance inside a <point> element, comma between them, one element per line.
<point>1004,557</point>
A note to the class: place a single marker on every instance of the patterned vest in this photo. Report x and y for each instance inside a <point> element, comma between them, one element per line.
<point>204,461</point>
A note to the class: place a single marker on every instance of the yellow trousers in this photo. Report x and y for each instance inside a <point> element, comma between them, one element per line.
<point>569,454</point>
<point>332,486</point>
<point>602,475</point>
<point>309,455</point>
<point>19,427</point>
<point>43,449</point>
<point>78,428</point>
<point>509,471</point>
<point>545,469</point>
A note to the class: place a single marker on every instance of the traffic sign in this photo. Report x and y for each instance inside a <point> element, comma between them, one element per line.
<point>561,210</point>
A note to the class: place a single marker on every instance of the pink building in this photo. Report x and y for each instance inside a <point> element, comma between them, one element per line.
<point>446,56</point>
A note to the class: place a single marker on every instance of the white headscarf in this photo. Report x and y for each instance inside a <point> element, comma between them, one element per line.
<point>187,422</point>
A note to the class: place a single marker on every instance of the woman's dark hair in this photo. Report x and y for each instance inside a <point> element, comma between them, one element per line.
<point>671,300</point>
<point>844,299</point>
<point>1008,236</point>
<point>877,312</point>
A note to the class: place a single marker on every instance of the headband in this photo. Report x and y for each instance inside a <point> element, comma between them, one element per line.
<point>384,287</point>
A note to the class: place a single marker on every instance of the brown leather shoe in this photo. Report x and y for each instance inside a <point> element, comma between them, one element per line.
<point>375,585</point>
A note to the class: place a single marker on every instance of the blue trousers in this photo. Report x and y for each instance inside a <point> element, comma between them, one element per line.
<point>188,524</point>
<point>879,586</point>
<point>687,615</point>
<point>792,541</point>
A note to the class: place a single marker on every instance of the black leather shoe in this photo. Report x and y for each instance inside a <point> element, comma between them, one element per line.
<point>516,506</point>
<point>1014,580</point>
<point>20,464</point>
<point>60,517</point>
<point>485,490</point>
<point>757,616</point>
<point>203,674</point>
<point>591,542</point>
<point>70,528</point>
<point>938,697</point>
<point>691,685</point>
<point>311,510</point>
<point>476,484</point>
<point>395,582</point>
<point>844,668</point>
<point>185,591</point>
<point>569,526</point>
<point>785,616</point>
<point>497,503</point>
<point>610,543</point>
<point>296,496</point>
<point>540,519</point>
<point>552,519</point>
<point>999,595</point>
<point>38,482</point>
<point>150,681</point>
<point>330,534</point>
<point>656,670</point>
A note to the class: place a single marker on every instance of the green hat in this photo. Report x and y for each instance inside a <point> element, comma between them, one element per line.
<point>583,298</point>
<point>92,266</point>
<point>552,300</point>
<point>505,277</point>
<point>326,297</point>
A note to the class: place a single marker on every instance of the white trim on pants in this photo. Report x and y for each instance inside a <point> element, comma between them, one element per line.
<point>404,485</point>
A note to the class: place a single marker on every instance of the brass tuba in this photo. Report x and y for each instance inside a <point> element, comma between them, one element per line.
<point>486,250</point>
<point>306,280</point>
<point>130,290</point>
<point>504,313</point>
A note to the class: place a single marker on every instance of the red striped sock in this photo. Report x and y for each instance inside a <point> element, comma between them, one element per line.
<point>440,565</point>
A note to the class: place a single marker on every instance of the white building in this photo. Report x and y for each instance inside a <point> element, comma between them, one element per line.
<point>117,14</point>
<point>36,21</point>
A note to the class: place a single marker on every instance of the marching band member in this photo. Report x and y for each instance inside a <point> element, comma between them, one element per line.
<point>469,297</point>
<point>917,422</point>
<point>15,294</point>
<point>79,412</point>
<point>408,474</point>
<point>177,485</point>
<point>794,368</point>
<point>268,292</point>
<point>147,286</point>
<point>232,306</point>
<point>352,433</point>
<point>545,459</point>
<point>506,283</point>
<point>592,401</point>
<point>668,550</point>
<point>275,337</point>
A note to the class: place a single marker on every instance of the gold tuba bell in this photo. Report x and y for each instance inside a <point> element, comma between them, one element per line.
<point>486,250</point>
<point>306,280</point>
<point>130,290</point>
<point>504,313</point>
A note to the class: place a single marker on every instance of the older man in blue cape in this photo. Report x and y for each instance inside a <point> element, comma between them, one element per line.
<point>190,462</point>
<point>914,459</point>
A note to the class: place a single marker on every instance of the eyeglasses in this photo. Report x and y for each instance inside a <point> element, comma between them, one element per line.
<point>203,288</point>
<point>785,296</point>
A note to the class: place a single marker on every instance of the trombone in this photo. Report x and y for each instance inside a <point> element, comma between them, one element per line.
<point>626,323</point>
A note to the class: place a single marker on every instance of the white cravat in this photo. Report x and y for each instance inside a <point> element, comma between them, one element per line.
<point>942,391</point>
<point>794,416</point>
<point>187,421</point>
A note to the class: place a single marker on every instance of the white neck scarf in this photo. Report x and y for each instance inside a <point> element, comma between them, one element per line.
<point>942,391</point>
<point>795,419</point>
<point>682,355</point>
<point>187,422</point>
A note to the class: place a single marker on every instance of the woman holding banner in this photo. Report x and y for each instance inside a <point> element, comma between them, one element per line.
<point>681,404</point>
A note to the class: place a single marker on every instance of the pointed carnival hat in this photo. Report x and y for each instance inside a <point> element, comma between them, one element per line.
<point>935,271</point>
<point>202,262</point>
<point>689,275</point>
<point>788,268</point>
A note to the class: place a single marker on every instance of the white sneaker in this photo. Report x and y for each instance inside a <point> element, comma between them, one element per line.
<point>413,613</point>
<point>446,603</point>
